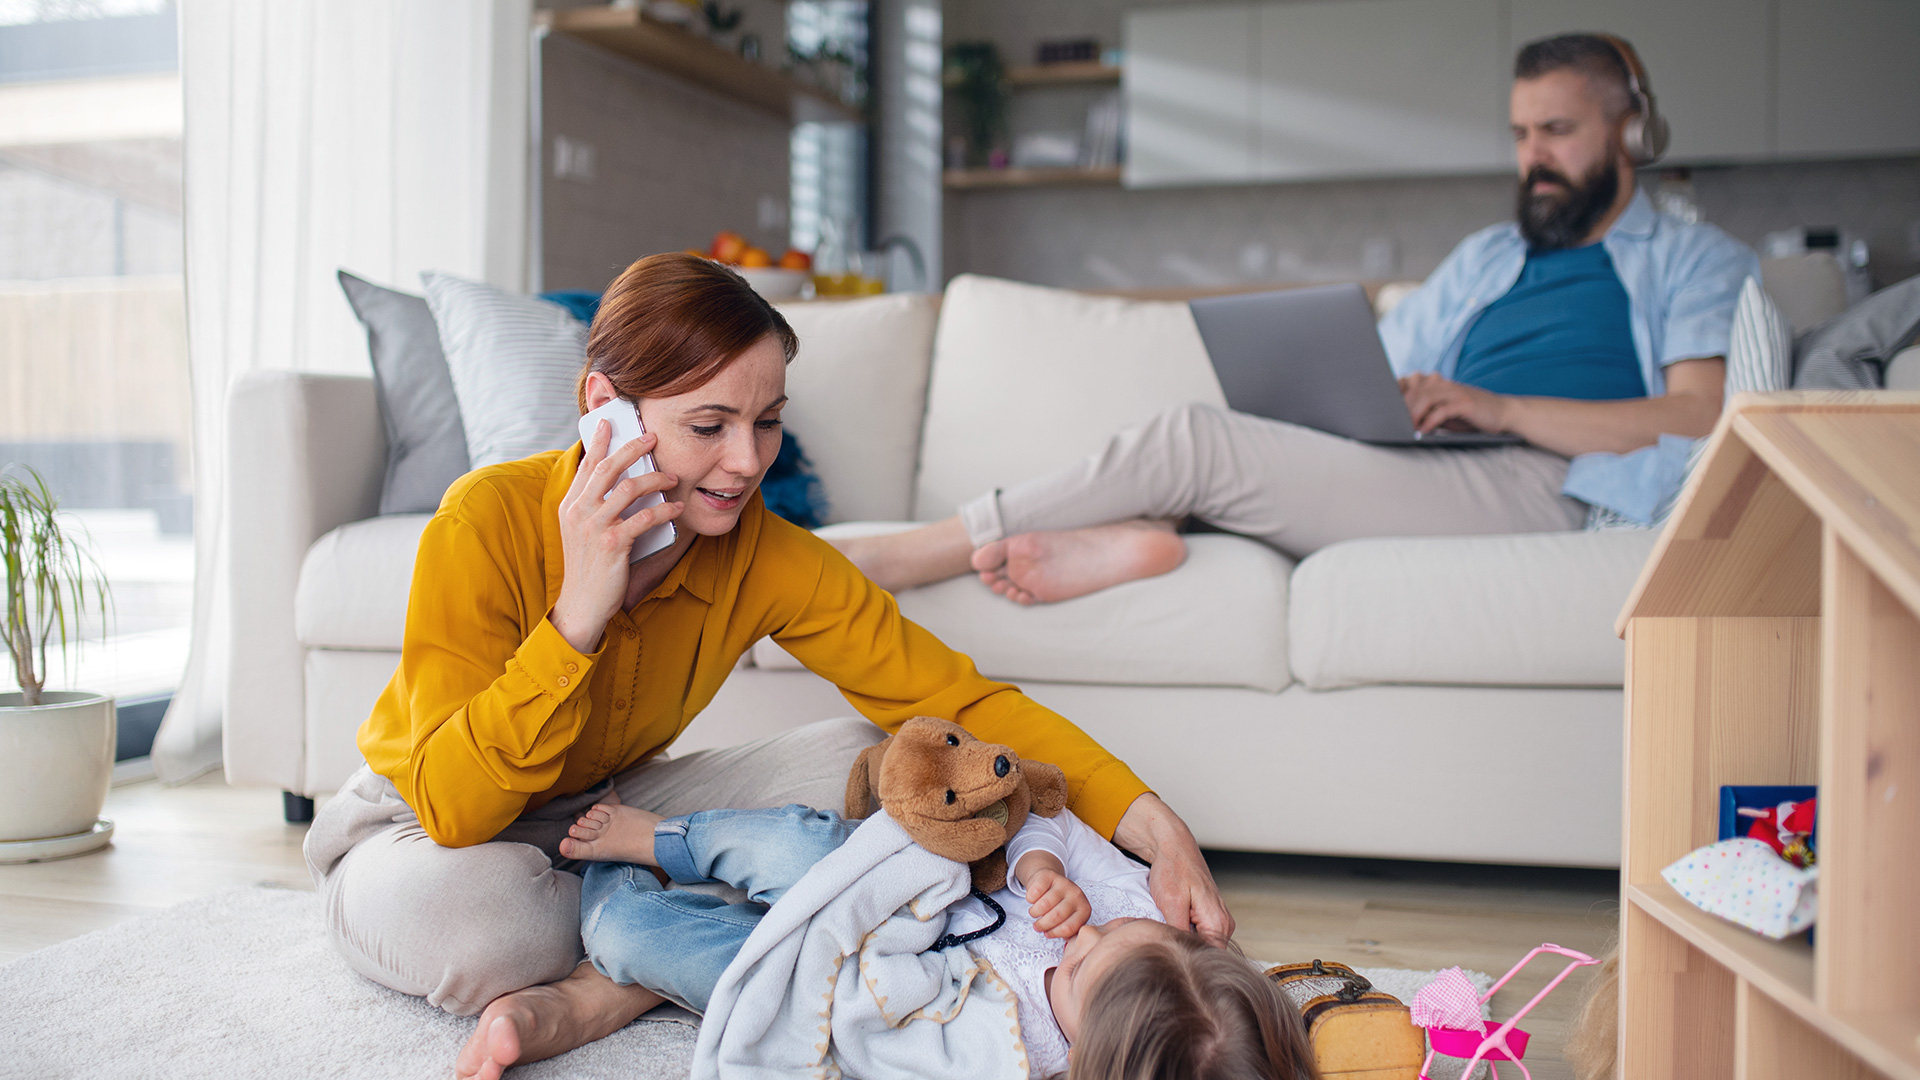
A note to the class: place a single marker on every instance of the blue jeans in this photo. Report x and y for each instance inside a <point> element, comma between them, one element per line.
<point>677,943</point>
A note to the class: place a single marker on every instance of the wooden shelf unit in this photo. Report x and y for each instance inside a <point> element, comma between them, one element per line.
<point>971,179</point>
<point>632,34</point>
<point>1774,638</point>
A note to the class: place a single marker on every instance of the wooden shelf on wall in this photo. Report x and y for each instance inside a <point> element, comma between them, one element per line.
<point>977,179</point>
<point>680,52</point>
<point>1075,73</point>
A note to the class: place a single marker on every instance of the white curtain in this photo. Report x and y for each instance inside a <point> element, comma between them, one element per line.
<point>383,136</point>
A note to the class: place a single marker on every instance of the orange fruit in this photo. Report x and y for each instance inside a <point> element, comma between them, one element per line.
<point>755,257</point>
<point>796,260</point>
<point>728,246</point>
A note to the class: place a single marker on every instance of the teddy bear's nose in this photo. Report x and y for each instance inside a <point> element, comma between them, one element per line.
<point>1000,765</point>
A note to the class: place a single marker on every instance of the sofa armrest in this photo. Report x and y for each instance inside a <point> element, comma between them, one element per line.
<point>305,454</point>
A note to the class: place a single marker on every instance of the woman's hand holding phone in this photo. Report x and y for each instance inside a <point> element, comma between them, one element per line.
<point>595,541</point>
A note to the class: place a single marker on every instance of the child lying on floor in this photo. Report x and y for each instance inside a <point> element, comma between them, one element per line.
<point>1083,947</point>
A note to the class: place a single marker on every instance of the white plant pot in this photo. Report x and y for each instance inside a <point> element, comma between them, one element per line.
<point>56,763</point>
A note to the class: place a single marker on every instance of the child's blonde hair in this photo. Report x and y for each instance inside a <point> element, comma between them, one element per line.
<point>1187,1008</point>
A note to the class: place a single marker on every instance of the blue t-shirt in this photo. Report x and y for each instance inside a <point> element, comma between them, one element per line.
<point>1561,331</point>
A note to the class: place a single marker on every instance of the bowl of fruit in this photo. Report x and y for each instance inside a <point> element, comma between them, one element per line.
<point>775,279</point>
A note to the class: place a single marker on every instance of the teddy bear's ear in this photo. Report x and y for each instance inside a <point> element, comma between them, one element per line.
<point>1049,787</point>
<point>860,780</point>
<point>912,772</point>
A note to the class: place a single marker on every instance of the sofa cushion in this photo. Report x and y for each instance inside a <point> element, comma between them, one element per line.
<point>856,395</point>
<point>1903,371</point>
<point>354,584</point>
<point>1027,379</point>
<point>426,444</point>
<point>1219,620</point>
<point>1809,288</point>
<point>1528,610</point>
<point>514,360</point>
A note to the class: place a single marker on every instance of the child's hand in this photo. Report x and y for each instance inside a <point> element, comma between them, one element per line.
<point>1058,907</point>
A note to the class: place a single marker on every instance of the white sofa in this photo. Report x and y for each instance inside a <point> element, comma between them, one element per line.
<point>1435,698</point>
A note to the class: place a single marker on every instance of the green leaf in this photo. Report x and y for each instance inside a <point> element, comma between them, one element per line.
<point>52,578</point>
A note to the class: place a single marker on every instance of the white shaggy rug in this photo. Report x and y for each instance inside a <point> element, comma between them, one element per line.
<point>244,984</point>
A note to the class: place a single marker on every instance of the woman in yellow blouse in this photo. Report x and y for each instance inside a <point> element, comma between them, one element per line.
<point>540,671</point>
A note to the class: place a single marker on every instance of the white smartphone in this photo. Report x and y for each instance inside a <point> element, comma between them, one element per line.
<point>624,416</point>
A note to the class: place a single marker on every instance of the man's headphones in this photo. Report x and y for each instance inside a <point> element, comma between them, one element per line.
<point>1646,133</point>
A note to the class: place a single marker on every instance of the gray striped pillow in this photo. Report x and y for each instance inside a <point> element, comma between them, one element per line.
<point>1760,349</point>
<point>514,360</point>
<point>1759,352</point>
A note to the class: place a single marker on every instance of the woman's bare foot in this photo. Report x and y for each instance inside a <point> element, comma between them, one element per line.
<point>1046,567</point>
<point>904,560</point>
<point>610,832</point>
<point>546,1021</point>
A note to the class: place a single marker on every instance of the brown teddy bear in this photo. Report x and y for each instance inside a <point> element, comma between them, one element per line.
<point>956,796</point>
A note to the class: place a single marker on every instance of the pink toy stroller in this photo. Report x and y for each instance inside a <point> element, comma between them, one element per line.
<point>1485,1041</point>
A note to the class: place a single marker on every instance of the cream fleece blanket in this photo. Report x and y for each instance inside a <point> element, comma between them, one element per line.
<point>837,979</point>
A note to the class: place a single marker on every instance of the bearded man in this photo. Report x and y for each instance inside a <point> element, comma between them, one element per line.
<point>1593,327</point>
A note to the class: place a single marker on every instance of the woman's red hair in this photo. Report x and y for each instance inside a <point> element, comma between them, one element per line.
<point>669,323</point>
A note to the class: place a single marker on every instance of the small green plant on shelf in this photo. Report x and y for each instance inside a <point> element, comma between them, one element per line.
<point>978,82</point>
<point>52,578</point>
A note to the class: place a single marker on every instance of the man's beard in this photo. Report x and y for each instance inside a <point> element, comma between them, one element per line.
<point>1553,221</point>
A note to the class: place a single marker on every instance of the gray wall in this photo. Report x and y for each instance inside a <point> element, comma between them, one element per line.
<point>673,164</point>
<point>1107,237</point>
<point>1017,26</point>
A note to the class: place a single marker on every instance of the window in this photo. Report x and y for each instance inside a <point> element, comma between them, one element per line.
<point>827,47</point>
<point>93,342</point>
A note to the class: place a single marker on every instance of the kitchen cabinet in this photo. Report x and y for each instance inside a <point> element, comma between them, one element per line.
<point>1708,62</point>
<point>1380,88</point>
<point>1325,89</point>
<point>1189,91</point>
<point>1849,78</point>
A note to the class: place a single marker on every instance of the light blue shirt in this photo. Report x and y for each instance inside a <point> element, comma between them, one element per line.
<point>1683,282</point>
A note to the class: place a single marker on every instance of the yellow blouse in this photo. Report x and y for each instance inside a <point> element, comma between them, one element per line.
<point>492,713</point>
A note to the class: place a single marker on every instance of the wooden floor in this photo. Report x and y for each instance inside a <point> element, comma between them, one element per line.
<point>174,844</point>
<point>1384,913</point>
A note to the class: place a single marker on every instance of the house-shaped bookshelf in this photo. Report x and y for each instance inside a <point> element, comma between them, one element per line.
<point>1774,638</point>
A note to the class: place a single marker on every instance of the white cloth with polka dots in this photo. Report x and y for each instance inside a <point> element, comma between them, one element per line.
<point>1745,881</point>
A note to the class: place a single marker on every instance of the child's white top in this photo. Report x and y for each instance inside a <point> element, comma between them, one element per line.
<point>1116,888</point>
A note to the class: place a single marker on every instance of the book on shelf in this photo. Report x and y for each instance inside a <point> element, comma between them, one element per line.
<point>1103,147</point>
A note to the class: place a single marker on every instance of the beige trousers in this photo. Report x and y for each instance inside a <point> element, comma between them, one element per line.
<point>1295,488</point>
<point>462,926</point>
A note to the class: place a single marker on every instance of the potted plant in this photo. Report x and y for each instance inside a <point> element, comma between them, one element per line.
<point>978,81</point>
<point>56,746</point>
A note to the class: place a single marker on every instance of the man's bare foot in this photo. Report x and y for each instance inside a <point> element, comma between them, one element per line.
<point>610,832</point>
<point>1046,567</point>
<point>904,560</point>
<point>545,1021</point>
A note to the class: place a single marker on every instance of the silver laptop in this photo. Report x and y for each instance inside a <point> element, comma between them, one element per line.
<point>1313,357</point>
